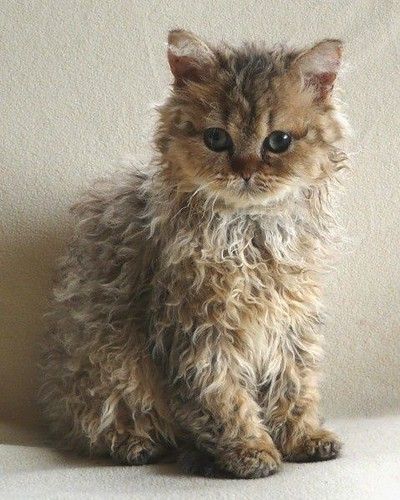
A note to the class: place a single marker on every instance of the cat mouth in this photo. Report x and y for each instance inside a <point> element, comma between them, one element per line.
<point>250,192</point>
<point>247,191</point>
<point>247,188</point>
<point>246,185</point>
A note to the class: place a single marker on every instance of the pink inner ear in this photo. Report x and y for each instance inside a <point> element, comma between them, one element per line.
<point>183,68</point>
<point>323,82</point>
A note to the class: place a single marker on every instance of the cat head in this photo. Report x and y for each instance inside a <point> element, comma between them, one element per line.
<point>249,125</point>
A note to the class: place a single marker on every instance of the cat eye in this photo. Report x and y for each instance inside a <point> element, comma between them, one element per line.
<point>217,139</point>
<point>277,142</point>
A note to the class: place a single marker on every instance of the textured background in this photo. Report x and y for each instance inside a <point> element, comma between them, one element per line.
<point>78,79</point>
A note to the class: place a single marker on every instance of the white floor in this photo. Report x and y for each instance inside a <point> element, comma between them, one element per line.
<point>369,468</point>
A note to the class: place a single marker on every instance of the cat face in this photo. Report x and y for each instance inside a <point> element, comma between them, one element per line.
<point>249,125</point>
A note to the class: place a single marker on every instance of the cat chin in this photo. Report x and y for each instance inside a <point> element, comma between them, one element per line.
<point>253,201</point>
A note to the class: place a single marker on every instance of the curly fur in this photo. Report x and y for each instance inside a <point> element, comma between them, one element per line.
<point>186,309</point>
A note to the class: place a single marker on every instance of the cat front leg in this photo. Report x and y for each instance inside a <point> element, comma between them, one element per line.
<point>216,412</point>
<point>305,439</point>
<point>300,435</point>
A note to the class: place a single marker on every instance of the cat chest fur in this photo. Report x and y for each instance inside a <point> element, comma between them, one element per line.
<point>240,280</point>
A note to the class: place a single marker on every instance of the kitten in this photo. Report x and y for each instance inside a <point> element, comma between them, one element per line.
<point>186,309</point>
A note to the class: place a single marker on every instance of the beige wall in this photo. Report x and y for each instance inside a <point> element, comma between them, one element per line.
<point>77,82</point>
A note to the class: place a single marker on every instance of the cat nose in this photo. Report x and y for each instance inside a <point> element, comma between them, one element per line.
<point>245,166</point>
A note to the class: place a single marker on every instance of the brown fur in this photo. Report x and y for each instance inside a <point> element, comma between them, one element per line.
<point>187,306</point>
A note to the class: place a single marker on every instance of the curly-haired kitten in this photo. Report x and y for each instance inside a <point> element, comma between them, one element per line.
<point>186,309</point>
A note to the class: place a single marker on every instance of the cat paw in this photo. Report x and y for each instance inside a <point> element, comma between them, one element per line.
<point>321,445</point>
<point>134,451</point>
<point>250,462</point>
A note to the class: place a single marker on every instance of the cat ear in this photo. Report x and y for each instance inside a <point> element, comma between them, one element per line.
<point>189,57</point>
<point>319,66</point>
